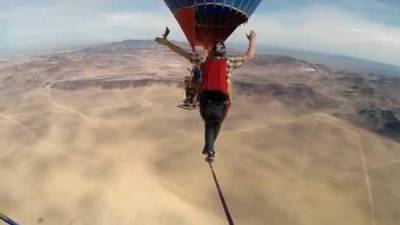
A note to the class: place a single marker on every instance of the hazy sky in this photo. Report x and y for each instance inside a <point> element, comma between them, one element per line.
<point>361,28</point>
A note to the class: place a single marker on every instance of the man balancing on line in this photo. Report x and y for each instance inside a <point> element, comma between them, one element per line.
<point>215,98</point>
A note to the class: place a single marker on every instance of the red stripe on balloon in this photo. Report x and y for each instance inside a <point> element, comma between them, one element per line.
<point>186,19</point>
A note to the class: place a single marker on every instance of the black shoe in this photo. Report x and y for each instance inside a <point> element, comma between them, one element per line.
<point>210,156</point>
<point>205,151</point>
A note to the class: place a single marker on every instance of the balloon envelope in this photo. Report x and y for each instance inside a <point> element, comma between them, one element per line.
<point>206,21</point>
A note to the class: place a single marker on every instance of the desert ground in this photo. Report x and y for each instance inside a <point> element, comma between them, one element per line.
<point>95,137</point>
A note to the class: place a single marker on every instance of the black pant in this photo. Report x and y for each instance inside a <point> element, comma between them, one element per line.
<point>213,109</point>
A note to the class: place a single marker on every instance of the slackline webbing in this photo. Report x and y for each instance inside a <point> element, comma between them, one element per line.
<point>221,196</point>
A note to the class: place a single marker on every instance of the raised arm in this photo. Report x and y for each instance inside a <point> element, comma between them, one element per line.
<point>175,48</point>
<point>251,51</point>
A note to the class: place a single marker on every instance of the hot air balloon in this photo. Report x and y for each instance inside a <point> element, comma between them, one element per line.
<point>206,21</point>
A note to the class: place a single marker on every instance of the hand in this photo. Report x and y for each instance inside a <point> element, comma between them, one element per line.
<point>161,41</point>
<point>251,36</point>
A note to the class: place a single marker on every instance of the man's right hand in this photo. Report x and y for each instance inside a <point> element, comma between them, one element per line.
<point>251,51</point>
<point>251,36</point>
<point>161,41</point>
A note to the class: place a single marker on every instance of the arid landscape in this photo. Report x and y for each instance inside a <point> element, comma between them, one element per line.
<point>94,136</point>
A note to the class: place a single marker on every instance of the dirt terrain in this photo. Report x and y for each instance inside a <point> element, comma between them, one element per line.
<point>95,137</point>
